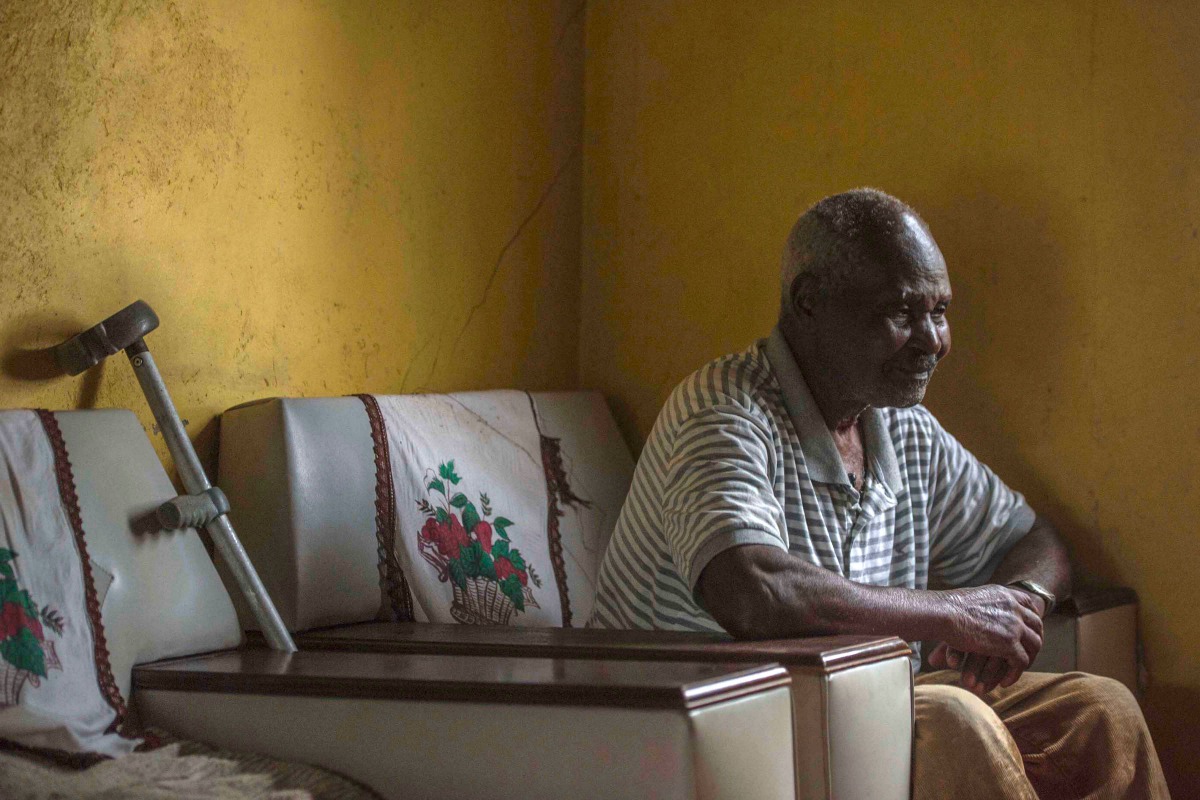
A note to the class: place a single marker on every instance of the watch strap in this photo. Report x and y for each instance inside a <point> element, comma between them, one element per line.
<point>1041,591</point>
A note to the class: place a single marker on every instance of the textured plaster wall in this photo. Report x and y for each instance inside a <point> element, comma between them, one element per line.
<point>1053,149</point>
<point>316,198</point>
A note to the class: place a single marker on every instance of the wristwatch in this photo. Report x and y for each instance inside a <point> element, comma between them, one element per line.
<point>1039,590</point>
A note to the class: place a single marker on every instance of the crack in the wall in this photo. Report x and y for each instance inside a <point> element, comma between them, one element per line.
<point>576,15</point>
<point>512,240</point>
<point>412,362</point>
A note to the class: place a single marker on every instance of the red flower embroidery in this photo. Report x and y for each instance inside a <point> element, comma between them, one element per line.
<point>449,537</point>
<point>504,568</point>
<point>483,532</point>
<point>13,617</point>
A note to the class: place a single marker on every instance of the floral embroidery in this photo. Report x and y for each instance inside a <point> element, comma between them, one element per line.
<point>25,654</point>
<point>489,577</point>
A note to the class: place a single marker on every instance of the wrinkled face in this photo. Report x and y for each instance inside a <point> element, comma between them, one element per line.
<point>882,338</point>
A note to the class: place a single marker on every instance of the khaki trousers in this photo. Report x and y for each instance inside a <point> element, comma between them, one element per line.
<point>1046,737</point>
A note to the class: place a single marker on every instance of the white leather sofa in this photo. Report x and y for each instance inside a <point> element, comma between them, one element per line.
<point>301,475</point>
<point>404,725</point>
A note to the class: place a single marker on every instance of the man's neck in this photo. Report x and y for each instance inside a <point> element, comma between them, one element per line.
<point>840,412</point>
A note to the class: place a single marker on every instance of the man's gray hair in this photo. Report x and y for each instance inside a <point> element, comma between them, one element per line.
<point>838,236</point>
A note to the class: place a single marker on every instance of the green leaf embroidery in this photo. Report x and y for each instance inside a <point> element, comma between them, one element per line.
<point>27,602</point>
<point>53,620</point>
<point>516,559</point>
<point>447,472</point>
<point>9,593</point>
<point>470,517</point>
<point>459,500</point>
<point>457,574</point>
<point>500,549</point>
<point>471,558</point>
<point>24,652</point>
<point>442,516</point>
<point>501,525</point>
<point>436,484</point>
<point>6,557</point>
<point>511,586</point>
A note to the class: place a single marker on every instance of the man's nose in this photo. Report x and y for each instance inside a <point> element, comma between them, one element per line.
<point>926,336</point>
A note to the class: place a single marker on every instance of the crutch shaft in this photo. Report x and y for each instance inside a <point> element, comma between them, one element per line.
<point>195,481</point>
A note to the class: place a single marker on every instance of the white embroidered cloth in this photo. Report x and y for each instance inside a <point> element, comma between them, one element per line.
<point>471,509</point>
<point>51,672</point>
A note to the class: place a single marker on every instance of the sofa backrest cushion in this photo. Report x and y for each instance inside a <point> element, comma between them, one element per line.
<point>107,586</point>
<point>303,478</point>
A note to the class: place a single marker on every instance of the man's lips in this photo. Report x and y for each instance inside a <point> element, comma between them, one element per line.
<point>917,371</point>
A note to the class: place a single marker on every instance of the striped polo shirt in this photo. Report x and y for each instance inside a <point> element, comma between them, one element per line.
<point>741,455</point>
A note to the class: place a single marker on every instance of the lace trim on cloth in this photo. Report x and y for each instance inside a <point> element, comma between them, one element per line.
<point>391,576</point>
<point>557,490</point>
<point>70,501</point>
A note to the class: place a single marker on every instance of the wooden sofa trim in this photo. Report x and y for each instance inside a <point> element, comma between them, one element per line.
<point>819,654</point>
<point>394,676</point>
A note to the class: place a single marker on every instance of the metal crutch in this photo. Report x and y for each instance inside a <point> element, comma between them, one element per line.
<point>204,505</point>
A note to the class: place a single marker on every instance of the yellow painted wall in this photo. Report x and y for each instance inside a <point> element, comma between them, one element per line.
<point>1054,150</point>
<point>316,197</point>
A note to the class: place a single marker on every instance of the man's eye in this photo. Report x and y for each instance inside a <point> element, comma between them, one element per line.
<point>939,312</point>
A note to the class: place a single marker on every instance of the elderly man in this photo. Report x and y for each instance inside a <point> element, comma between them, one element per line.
<point>797,488</point>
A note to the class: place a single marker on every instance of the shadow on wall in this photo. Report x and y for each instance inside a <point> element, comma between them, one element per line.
<point>26,353</point>
<point>1014,378</point>
<point>1175,708</point>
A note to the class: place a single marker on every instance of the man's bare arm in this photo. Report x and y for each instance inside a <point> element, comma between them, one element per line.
<point>762,592</point>
<point>1040,556</point>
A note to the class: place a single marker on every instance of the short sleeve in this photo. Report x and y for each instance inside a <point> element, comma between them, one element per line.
<point>974,518</point>
<point>719,490</point>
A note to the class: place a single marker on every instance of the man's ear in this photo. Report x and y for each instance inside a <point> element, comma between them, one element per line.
<point>803,294</point>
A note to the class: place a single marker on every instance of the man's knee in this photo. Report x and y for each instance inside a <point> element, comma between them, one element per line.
<point>955,714</point>
<point>962,748</point>
<point>1104,700</point>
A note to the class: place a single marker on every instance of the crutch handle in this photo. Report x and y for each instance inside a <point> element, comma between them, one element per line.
<point>193,510</point>
<point>120,331</point>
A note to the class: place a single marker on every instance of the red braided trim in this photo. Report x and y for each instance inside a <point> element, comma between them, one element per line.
<point>391,575</point>
<point>557,489</point>
<point>70,501</point>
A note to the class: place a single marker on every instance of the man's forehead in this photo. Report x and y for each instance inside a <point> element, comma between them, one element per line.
<point>904,279</point>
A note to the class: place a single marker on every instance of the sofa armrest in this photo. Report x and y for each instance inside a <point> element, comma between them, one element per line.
<point>1094,630</point>
<point>447,726</point>
<point>852,695</point>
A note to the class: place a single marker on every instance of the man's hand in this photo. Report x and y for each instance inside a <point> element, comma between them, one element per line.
<point>999,633</point>
<point>979,674</point>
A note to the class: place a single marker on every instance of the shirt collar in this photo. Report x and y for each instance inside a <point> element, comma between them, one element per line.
<point>821,457</point>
